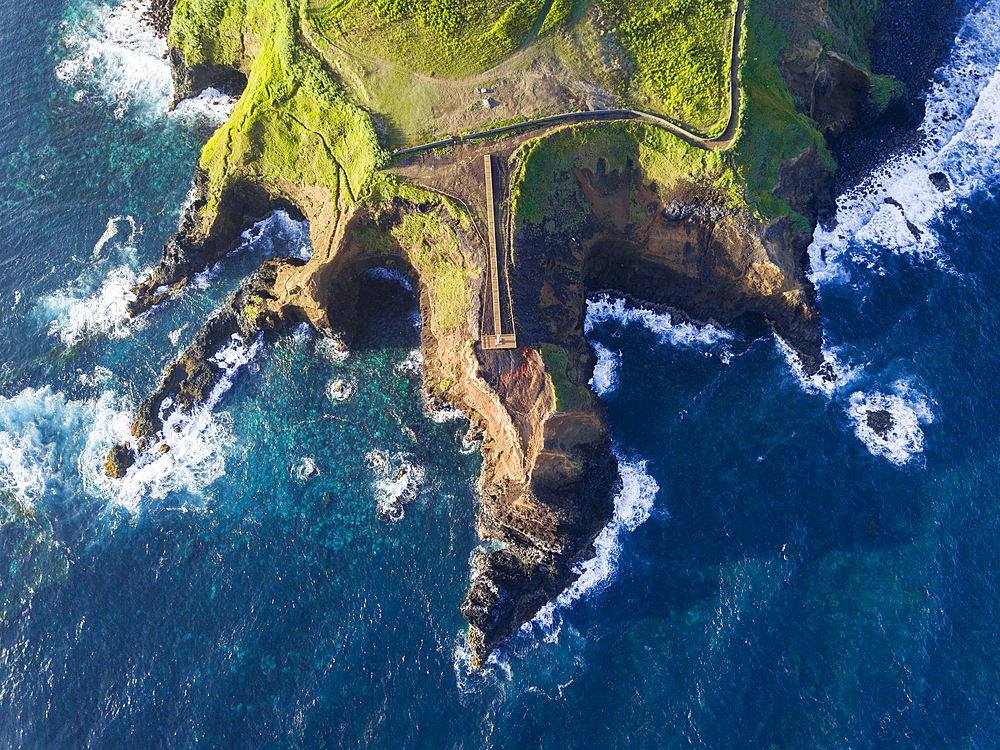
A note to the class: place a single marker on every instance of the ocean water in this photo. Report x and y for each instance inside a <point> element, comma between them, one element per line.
<point>776,574</point>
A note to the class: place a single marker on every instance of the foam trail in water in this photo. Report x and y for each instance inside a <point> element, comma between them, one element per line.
<point>112,229</point>
<point>605,379</point>
<point>898,438</point>
<point>603,308</point>
<point>633,507</point>
<point>82,310</point>
<point>113,54</point>
<point>96,302</point>
<point>896,206</point>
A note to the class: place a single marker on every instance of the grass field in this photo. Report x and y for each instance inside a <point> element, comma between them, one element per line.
<point>667,56</point>
<point>680,50</point>
<point>449,38</point>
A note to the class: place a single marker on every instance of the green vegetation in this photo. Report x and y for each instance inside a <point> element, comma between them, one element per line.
<point>293,124</point>
<point>434,252</point>
<point>854,20</point>
<point>544,184</point>
<point>884,90</point>
<point>432,248</point>
<point>559,13</point>
<point>771,129</point>
<point>569,395</point>
<point>440,37</point>
<point>681,53</point>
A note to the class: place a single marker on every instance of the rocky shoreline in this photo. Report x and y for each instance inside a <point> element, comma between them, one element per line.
<point>549,475</point>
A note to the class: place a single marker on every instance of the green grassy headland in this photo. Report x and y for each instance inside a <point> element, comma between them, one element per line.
<point>293,123</point>
<point>569,395</point>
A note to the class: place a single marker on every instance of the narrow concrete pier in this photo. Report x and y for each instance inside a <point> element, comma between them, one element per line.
<point>498,338</point>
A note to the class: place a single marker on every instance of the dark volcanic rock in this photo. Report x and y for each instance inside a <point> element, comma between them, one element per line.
<point>940,181</point>
<point>119,460</point>
<point>189,381</point>
<point>158,16</point>
<point>191,81</point>
<point>880,422</point>
<point>196,246</point>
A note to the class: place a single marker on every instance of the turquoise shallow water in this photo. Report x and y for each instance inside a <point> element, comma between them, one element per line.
<point>775,576</point>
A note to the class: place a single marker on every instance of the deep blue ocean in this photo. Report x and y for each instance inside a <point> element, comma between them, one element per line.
<point>777,575</point>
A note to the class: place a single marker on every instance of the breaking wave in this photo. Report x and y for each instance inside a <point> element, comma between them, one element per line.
<point>112,54</point>
<point>896,207</point>
<point>889,424</point>
<point>96,302</point>
<point>633,507</point>
<point>604,307</point>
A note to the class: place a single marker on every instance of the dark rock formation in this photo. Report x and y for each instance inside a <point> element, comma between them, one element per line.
<point>158,16</point>
<point>940,181</point>
<point>191,80</point>
<point>203,241</point>
<point>880,422</point>
<point>119,460</point>
<point>190,380</point>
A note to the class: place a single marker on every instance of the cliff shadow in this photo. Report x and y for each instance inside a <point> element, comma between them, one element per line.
<point>388,313</point>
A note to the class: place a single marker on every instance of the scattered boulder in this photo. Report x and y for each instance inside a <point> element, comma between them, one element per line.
<point>119,460</point>
<point>940,181</point>
<point>880,422</point>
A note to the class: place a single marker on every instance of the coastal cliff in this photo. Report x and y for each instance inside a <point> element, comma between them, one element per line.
<point>621,207</point>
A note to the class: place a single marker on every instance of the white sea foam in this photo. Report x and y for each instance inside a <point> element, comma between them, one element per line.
<point>833,374</point>
<point>388,274</point>
<point>304,469</point>
<point>413,362</point>
<point>962,129</point>
<point>303,332</point>
<point>96,302</point>
<point>112,230</point>
<point>332,351</point>
<point>633,507</point>
<point>194,440</point>
<point>211,105</point>
<point>278,235</point>
<point>175,335</point>
<point>908,410</point>
<point>447,413</point>
<point>340,389</point>
<point>605,379</point>
<point>397,481</point>
<point>114,55</point>
<point>52,450</point>
<point>604,308</point>
<point>82,310</point>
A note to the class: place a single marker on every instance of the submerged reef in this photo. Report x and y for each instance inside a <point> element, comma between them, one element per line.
<point>710,219</point>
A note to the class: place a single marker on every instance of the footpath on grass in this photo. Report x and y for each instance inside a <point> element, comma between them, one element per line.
<point>720,142</point>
